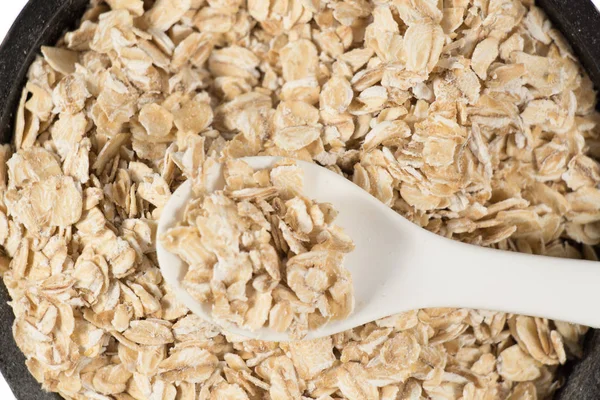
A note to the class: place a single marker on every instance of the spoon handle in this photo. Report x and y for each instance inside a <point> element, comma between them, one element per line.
<point>462,275</point>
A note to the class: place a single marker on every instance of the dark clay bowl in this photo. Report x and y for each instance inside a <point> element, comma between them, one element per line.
<point>42,22</point>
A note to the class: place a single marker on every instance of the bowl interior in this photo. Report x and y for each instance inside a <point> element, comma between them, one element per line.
<point>43,22</point>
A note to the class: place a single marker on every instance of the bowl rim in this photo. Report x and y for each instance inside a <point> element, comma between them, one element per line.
<point>40,22</point>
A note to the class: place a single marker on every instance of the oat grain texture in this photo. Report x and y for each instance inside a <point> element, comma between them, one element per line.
<point>50,18</point>
<point>40,22</point>
<point>579,21</point>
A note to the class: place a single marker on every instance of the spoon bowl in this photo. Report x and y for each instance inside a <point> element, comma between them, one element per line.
<point>398,266</point>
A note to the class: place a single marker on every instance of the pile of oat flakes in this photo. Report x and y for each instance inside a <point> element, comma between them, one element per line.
<point>259,253</point>
<point>472,118</point>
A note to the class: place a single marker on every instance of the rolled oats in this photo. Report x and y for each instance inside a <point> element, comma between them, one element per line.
<point>471,118</point>
<point>226,239</point>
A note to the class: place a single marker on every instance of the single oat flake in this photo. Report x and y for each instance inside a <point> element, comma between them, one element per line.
<point>473,119</point>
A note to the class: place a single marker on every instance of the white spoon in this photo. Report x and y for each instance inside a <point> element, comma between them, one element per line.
<point>398,266</point>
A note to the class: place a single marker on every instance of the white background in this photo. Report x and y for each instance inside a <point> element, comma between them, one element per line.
<point>9,9</point>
